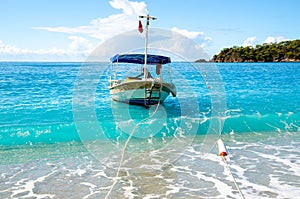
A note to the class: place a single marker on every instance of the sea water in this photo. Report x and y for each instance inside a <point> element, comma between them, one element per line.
<point>61,135</point>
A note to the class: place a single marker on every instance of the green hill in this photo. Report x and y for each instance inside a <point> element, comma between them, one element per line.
<point>285,51</point>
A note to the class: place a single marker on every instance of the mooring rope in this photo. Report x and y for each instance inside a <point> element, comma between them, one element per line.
<point>233,178</point>
<point>223,154</point>
<point>121,160</point>
<point>124,149</point>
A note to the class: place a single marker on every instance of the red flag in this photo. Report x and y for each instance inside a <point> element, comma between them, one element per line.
<point>140,28</point>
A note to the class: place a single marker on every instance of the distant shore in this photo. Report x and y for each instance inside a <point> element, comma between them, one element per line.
<point>248,61</point>
<point>285,51</point>
<point>253,61</point>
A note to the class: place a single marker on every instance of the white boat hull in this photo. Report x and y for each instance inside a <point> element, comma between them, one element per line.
<point>142,92</point>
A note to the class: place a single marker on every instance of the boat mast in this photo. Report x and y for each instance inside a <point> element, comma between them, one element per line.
<point>146,42</point>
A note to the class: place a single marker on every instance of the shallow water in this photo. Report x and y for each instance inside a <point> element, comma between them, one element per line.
<point>264,167</point>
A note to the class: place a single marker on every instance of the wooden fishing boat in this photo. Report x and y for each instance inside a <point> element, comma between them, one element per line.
<point>145,88</point>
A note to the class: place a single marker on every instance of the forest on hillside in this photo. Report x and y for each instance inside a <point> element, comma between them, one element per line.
<point>285,51</point>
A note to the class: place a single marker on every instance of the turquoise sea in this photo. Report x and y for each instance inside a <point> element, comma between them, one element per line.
<point>61,135</point>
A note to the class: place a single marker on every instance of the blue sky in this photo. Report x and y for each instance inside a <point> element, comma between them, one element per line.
<point>64,30</point>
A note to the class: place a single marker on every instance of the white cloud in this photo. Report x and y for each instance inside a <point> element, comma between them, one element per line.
<point>275,39</point>
<point>188,34</point>
<point>103,28</point>
<point>80,44</point>
<point>78,49</point>
<point>197,36</point>
<point>129,7</point>
<point>11,50</point>
<point>165,42</point>
<point>251,41</point>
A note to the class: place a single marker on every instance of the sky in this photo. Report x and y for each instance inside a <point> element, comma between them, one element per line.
<point>69,30</point>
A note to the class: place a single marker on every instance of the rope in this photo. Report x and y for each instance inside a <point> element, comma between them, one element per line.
<point>124,148</point>
<point>121,161</point>
<point>224,157</point>
<point>233,179</point>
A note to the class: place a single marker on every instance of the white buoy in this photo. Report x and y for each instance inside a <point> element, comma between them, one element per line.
<point>222,148</point>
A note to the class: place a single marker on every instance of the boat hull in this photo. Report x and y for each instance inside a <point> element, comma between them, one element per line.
<point>142,92</point>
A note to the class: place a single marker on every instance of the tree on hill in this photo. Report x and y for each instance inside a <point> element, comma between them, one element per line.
<point>274,52</point>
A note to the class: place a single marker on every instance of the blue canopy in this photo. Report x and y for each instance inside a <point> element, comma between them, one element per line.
<point>140,59</point>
